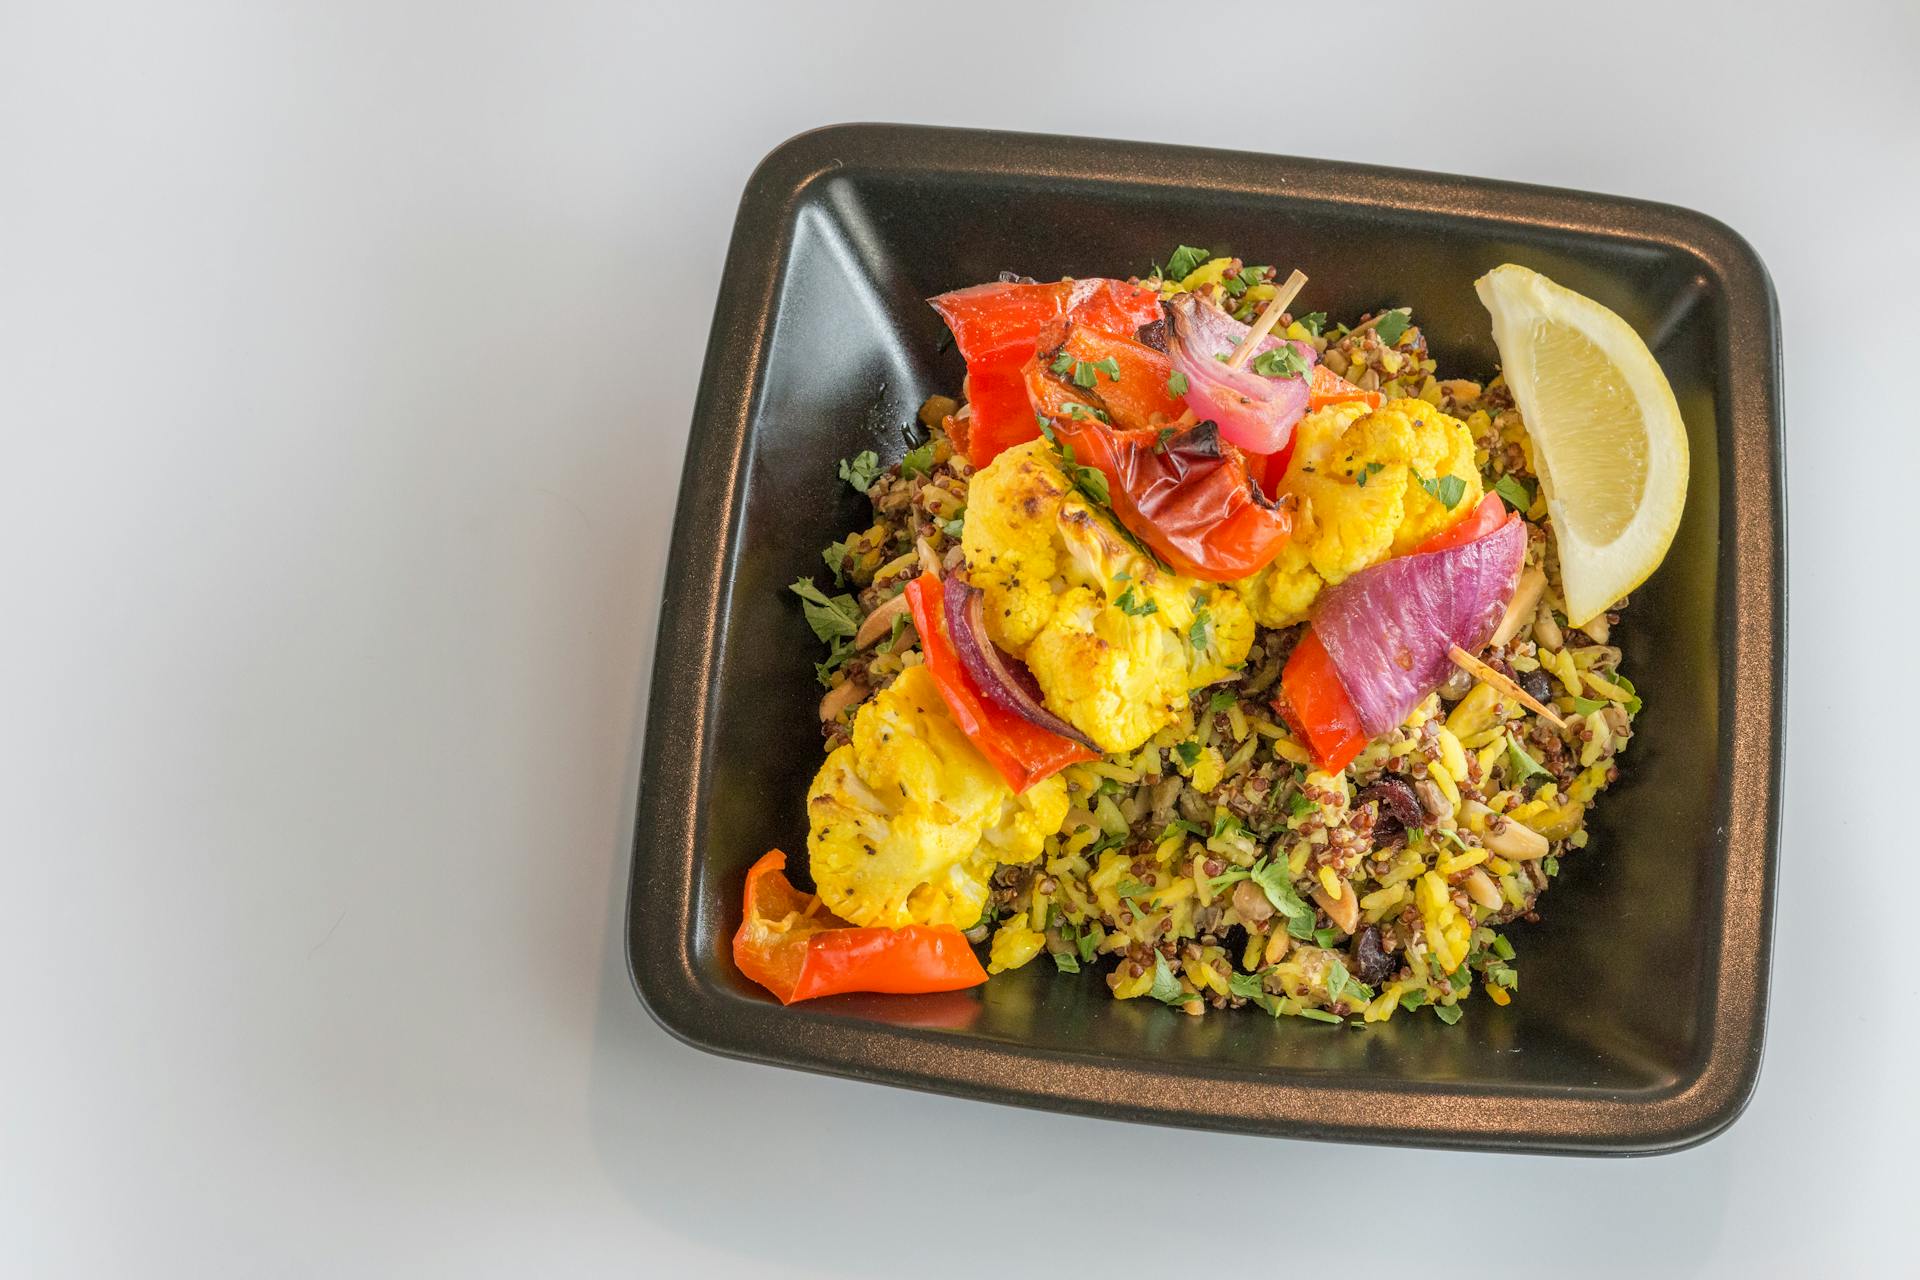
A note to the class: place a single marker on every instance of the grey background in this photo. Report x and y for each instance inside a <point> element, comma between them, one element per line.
<point>346,358</point>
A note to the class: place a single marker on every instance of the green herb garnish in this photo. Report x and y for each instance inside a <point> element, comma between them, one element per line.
<point>1176,386</point>
<point>1313,322</point>
<point>1325,937</point>
<point>1502,948</point>
<point>1187,751</point>
<point>955,527</point>
<point>901,622</point>
<point>1185,260</point>
<point>1065,961</point>
<point>1128,604</point>
<point>1367,473</point>
<point>861,470</point>
<point>1514,492</point>
<point>1166,987</point>
<point>835,554</point>
<point>1281,362</point>
<point>1199,635</point>
<point>1446,490</point>
<point>1321,1015</point>
<point>1392,325</point>
<point>1413,999</point>
<point>1273,881</point>
<point>829,616</point>
<point>1521,765</point>
<point>1221,700</point>
<point>1447,1013</point>
<point>1550,865</point>
<point>1298,806</point>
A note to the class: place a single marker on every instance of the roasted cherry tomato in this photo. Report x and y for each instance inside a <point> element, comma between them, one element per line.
<point>797,949</point>
<point>1184,492</point>
<point>1022,751</point>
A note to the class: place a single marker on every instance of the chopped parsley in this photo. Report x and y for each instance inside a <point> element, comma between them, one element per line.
<point>1221,700</point>
<point>1166,987</point>
<point>1321,1015</point>
<point>1273,881</point>
<point>1445,490</point>
<point>1086,944</point>
<point>1501,975</point>
<point>1502,948</point>
<point>1340,983</point>
<point>1187,751</point>
<point>918,462</point>
<point>1587,706</point>
<point>1176,386</point>
<point>831,617</point>
<point>1129,889</point>
<point>1281,362</point>
<point>955,527</point>
<point>1181,826</point>
<point>861,470</point>
<point>1325,937</point>
<point>1244,280</point>
<point>1249,988</point>
<point>1413,999</point>
<point>1200,634</point>
<point>1514,492</point>
<point>1127,602</point>
<point>1080,412</point>
<point>1065,961</point>
<point>1550,865</point>
<point>1367,473</point>
<point>1447,1013</point>
<point>1392,325</point>
<point>835,554</point>
<point>1224,824</point>
<point>1519,763</point>
<point>1313,322</point>
<point>1298,806</point>
<point>1185,261</point>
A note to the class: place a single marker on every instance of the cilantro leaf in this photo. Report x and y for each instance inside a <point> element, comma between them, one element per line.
<point>1514,492</point>
<point>1502,948</point>
<point>1550,865</point>
<point>1249,987</point>
<point>1065,961</point>
<point>1281,362</point>
<point>1087,945</point>
<point>1314,322</point>
<point>1062,363</point>
<point>861,470</point>
<point>1131,605</point>
<point>1185,260</point>
<point>1587,706</point>
<point>918,462</point>
<point>1321,1015</point>
<point>1221,700</point>
<point>839,649</point>
<point>1413,999</point>
<point>1325,937</point>
<point>955,527</point>
<point>901,622</point>
<point>1224,823</point>
<point>1446,490</point>
<point>1129,889</point>
<point>829,616</point>
<point>1447,1013</point>
<point>1367,473</point>
<point>1166,987</point>
<point>1180,826</point>
<point>1176,386</point>
<point>1187,751</point>
<point>1392,325</point>
<point>1298,806</point>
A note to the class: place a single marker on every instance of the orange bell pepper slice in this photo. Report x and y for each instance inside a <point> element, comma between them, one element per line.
<point>797,949</point>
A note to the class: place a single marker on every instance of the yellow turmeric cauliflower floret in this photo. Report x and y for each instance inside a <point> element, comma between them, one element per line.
<point>1115,642</point>
<point>908,821</point>
<point>1358,476</point>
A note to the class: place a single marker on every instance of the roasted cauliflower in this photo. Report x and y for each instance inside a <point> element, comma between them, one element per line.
<point>908,821</point>
<point>1116,643</point>
<point>1363,483</point>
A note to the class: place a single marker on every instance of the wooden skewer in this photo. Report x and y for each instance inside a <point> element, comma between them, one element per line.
<point>1276,306</point>
<point>1481,671</point>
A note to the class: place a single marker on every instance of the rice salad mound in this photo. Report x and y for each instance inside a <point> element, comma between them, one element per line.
<point>1215,865</point>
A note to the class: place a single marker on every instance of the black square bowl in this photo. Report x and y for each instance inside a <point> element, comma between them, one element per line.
<point>1639,1024</point>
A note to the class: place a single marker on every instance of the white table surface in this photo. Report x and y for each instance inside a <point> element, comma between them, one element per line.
<point>346,358</point>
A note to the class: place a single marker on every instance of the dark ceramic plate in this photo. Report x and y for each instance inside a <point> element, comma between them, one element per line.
<point>1640,1018</point>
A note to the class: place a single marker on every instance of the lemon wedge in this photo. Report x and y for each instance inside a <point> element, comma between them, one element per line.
<point>1608,442</point>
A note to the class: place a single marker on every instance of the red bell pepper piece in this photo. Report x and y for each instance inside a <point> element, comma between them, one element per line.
<point>1022,751</point>
<point>1328,387</point>
<point>1316,704</point>
<point>797,949</point>
<point>1489,515</point>
<point>1138,399</point>
<point>998,327</point>
<point>1189,496</point>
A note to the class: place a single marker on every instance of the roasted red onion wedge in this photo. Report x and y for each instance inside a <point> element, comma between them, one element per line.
<point>1254,411</point>
<point>1388,628</point>
<point>1002,678</point>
